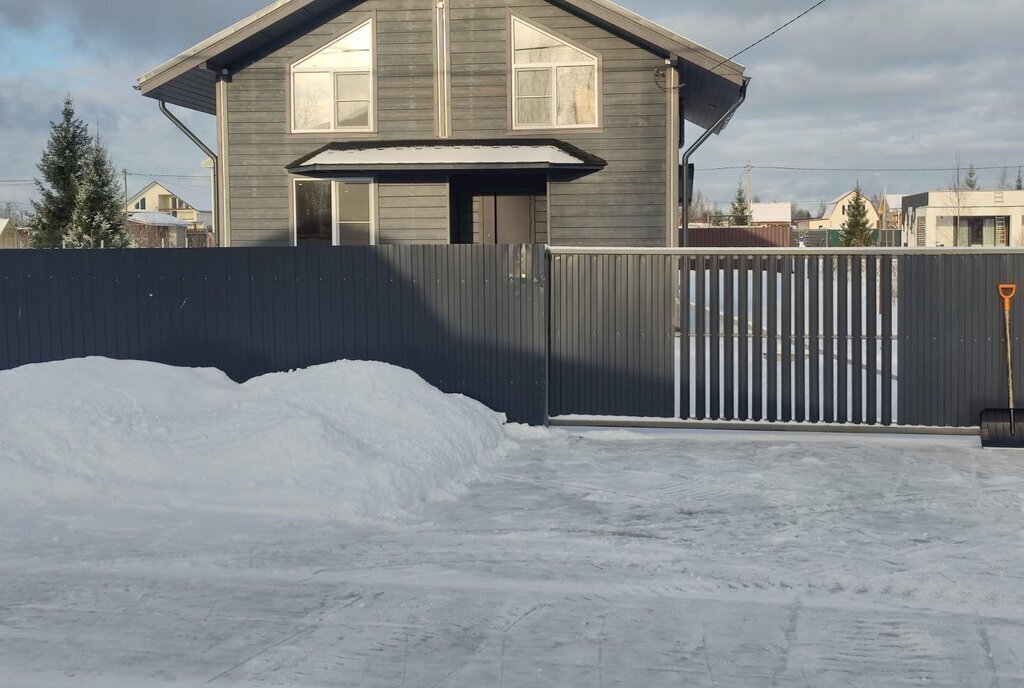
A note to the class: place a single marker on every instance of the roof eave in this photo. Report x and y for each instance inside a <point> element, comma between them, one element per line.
<point>442,167</point>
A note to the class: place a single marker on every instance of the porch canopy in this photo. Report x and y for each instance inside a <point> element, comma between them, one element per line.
<point>546,154</point>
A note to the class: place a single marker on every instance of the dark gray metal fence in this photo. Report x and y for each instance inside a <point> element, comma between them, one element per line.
<point>904,337</point>
<point>612,336</point>
<point>953,343</point>
<point>788,337</point>
<point>471,320</point>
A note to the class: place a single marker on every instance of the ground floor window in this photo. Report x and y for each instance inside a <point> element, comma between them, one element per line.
<point>982,231</point>
<point>334,212</point>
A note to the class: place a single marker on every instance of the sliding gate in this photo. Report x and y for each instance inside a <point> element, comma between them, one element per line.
<point>791,336</point>
<point>860,337</point>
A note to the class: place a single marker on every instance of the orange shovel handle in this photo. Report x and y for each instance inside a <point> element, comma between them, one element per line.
<point>1007,291</point>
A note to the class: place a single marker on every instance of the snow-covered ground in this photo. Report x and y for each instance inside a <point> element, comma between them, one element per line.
<point>599,558</point>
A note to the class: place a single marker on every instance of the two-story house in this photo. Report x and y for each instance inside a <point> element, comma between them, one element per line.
<point>837,214</point>
<point>188,205</point>
<point>451,121</point>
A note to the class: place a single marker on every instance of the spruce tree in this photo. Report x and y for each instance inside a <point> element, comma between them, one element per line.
<point>1020,181</point>
<point>856,230</point>
<point>61,168</point>
<point>971,180</point>
<point>98,220</point>
<point>740,208</point>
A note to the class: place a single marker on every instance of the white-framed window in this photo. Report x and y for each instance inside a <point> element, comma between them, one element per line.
<point>334,212</point>
<point>554,84</point>
<point>333,89</point>
<point>141,205</point>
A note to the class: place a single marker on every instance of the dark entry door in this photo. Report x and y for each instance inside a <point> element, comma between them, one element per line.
<point>507,219</point>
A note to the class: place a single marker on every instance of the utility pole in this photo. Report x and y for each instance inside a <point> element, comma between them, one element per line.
<point>750,197</point>
<point>125,172</point>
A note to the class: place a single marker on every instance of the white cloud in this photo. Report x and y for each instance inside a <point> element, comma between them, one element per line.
<point>867,84</point>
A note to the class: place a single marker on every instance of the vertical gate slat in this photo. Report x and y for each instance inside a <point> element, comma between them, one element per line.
<point>757,358</point>
<point>700,338</point>
<point>743,331</point>
<point>872,341</point>
<point>684,337</point>
<point>800,339</point>
<point>813,342</point>
<point>903,266</point>
<point>886,297</point>
<point>788,277</point>
<point>728,342</point>
<point>842,340</point>
<point>857,291</point>
<point>829,272</point>
<point>715,340</point>
<point>772,359</point>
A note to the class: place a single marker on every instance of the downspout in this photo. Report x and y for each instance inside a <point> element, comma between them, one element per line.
<point>684,234</point>
<point>216,167</point>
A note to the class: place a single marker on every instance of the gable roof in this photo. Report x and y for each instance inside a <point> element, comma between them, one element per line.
<point>832,206</point>
<point>195,199</point>
<point>712,83</point>
<point>156,219</point>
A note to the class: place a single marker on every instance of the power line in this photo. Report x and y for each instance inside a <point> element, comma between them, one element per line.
<point>765,38</point>
<point>168,176</point>
<point>752,45</point>
<point>788,168</point>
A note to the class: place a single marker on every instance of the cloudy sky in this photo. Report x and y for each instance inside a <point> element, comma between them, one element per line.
<point>868,84</point>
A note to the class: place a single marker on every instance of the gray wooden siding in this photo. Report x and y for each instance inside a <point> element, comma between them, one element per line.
<point>624,204</point>
<point>258,122</point>
<point>412,210</point>
<point>540,219</point>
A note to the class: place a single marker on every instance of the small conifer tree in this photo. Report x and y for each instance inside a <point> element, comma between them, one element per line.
<point>61,168</point>
<point>98,220</point>
<point>740,208</point>
<point>857,231</point>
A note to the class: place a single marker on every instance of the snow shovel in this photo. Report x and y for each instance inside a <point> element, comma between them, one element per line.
<point>1004,427</point>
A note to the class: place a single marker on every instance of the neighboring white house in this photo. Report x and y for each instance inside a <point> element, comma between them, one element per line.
<point>771,214</point>
<point>970,218</point>
<point>193,206</point>
<point>837,213</point>
<point>157,230</point>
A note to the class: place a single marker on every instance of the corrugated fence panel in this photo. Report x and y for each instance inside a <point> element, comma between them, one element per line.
<point>740,237</point>
<point>470,320</point>
<point>952,361</point>
<point>612,344</point>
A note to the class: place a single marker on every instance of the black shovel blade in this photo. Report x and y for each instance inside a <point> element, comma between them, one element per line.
<point>1002,428</point>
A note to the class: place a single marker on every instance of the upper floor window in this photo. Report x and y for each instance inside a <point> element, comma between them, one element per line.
<point>141,205</point>
<point>333,89</point>
<point>554,84</point>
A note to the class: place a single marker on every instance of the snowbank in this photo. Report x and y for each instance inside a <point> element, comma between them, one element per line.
<point>350,440</point>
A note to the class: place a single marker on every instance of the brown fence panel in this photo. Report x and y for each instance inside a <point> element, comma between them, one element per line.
<point>740,237</point>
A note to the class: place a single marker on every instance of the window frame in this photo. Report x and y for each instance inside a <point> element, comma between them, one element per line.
<point>552,68</point>
<point>294,69</point>
<point>370,180</point>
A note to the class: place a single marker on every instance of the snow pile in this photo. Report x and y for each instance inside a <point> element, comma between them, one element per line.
<point>350,440</point>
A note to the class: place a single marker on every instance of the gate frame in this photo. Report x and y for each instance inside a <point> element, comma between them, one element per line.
<point>851,428</point>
